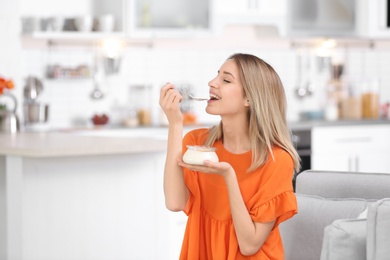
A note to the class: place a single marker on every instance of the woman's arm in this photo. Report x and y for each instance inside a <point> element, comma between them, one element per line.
<point>250,235</point>
<point>175,190</point>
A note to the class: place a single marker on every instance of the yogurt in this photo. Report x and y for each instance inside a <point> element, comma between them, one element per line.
<point>198,154</point>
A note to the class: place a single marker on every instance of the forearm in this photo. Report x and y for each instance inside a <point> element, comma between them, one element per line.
<point>175,190</point>
<point>250,235</point>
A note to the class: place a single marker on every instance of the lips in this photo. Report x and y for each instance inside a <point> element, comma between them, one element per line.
<point>214,96</point>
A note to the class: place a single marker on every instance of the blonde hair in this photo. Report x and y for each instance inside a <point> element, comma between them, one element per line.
<point>267,111</point>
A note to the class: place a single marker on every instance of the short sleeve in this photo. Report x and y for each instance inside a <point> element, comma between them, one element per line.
<point>280,208</point>
<point>275,198</point>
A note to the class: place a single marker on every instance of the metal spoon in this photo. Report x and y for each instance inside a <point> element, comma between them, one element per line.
<point>300,91</point>
<point>96,93</point>
<point>194,98</point>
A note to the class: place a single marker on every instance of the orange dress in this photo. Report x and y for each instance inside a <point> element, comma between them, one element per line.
<point>267,193</point>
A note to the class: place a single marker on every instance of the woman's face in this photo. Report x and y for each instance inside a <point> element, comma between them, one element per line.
<point>226,92</point>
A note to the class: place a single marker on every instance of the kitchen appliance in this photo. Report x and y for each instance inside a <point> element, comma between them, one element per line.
<point>302,141</point>
<point>9,121</point>
<point>34,112</point>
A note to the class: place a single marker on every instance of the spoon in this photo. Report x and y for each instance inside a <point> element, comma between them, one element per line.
<point>300,91</point>
<point>194,98</point>
<point>96,93</point>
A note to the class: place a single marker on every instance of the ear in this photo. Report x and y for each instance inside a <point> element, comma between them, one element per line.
<point>247,104</point>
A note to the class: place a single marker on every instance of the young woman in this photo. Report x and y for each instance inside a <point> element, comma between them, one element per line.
<point>234,206</point>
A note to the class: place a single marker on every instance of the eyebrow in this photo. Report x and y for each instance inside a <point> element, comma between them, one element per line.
<point>228,73</point>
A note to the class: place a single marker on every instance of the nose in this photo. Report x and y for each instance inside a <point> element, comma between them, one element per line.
<point>213,83</point>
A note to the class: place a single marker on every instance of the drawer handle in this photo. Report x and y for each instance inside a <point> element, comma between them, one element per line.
<point>356,139</point>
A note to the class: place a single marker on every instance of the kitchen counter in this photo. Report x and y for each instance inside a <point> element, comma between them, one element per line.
<point>91,194</point>
<point>84,142</point>
<point>106,141</point>
<point>308,124</point>
<point>55,144</point>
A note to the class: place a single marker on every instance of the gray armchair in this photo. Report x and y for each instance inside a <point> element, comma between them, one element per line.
<point>341,215</point>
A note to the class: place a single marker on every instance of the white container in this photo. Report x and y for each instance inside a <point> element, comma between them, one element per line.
<point>84,23</point>
<point>106,23</point>
<point>198,154</point>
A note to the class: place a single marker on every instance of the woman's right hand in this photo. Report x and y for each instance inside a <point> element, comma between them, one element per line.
<point>169,102</point>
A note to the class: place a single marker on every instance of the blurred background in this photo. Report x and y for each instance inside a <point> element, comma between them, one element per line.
<point>98,57</point>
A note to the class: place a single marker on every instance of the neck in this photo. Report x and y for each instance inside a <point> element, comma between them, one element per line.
<point>236,136</point>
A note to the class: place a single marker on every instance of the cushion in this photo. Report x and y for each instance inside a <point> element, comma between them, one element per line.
<point>332,184</point>
<point>378,230</point>
<point>345,239</point>
<point>307,227</point>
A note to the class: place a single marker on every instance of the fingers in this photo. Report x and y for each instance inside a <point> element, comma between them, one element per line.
<point>169,96</point>
<point>165,89</point>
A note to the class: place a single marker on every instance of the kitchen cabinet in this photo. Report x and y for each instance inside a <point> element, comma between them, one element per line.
<point>169,18</point>
<point>140,19</point>
<point>358,148</point>
<point>317,18</point>
<point>373,19</point>
<point>73,196</point>
<point>32,28</point>
<point>251,12</point>
<point>364,19</point>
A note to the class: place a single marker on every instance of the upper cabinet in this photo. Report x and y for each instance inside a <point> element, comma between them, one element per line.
<point>252,12</point>
<point>120,18</point>
<point>146,19</point>
<point>169,18</point>
<point>374,19</point>
<point>320,18</point>
<point>363,19</point>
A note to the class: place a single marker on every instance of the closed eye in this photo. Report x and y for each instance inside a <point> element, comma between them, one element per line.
<point>227,81</point>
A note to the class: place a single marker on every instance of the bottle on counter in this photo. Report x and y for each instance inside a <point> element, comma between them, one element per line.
<point>331,112</point>
<point>370,99</point>
<point>334,91</point>
<point>140,100</point>
<point>351,102</point>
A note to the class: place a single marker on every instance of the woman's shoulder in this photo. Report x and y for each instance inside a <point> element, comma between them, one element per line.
<point>280,154</point>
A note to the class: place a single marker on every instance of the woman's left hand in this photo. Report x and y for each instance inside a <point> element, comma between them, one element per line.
<point>220,168</point>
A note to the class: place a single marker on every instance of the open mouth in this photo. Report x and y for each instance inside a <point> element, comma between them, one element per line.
<point>214,97</point>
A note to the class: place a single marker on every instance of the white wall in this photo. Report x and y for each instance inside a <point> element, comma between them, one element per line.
<point>142,65</point>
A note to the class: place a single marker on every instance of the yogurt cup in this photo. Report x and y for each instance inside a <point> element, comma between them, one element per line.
<point>198,154</point>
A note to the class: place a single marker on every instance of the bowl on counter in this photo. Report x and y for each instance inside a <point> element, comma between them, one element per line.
<point>98,120</point>
<point>311,115</point>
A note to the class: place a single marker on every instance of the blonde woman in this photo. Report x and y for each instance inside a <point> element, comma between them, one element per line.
<point>234,206</point>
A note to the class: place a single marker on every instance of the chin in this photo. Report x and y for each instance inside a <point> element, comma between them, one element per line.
<point>210,111</point>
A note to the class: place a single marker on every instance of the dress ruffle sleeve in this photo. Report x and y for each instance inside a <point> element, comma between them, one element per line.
<point>275,199</point>
<point>280,208</point>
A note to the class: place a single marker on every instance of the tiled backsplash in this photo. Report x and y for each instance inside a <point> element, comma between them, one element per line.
<point>70,101</point>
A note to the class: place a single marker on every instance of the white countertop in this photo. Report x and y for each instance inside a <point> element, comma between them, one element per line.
<point>83,142</point>
<point>57,144</point>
